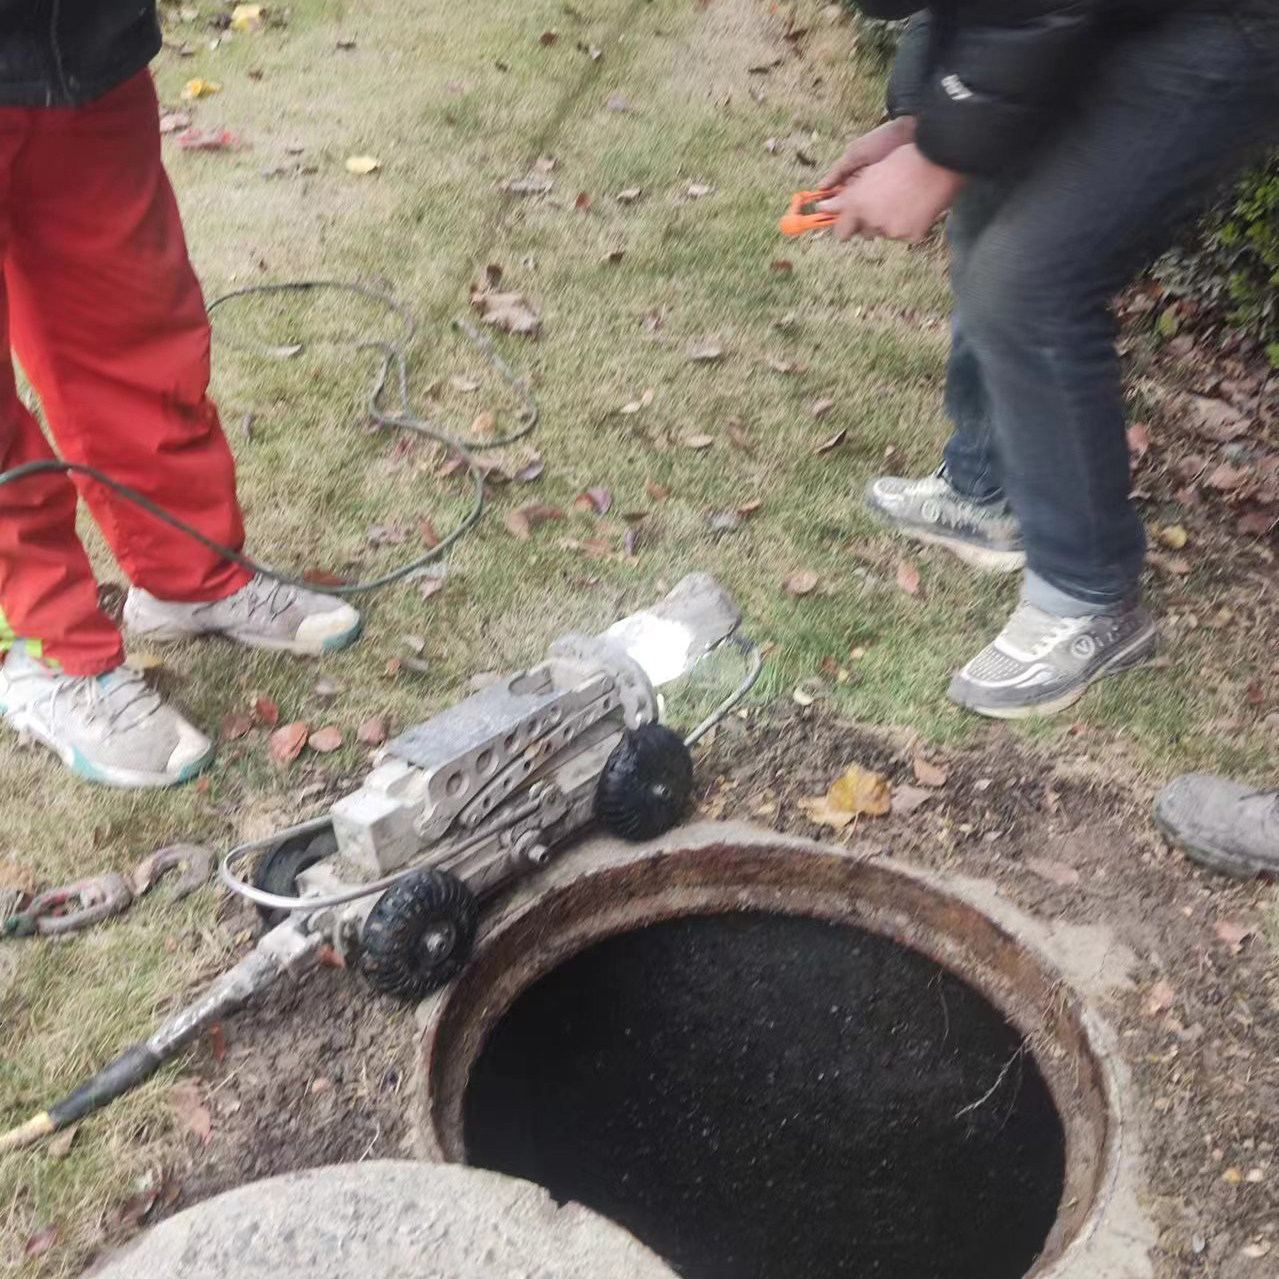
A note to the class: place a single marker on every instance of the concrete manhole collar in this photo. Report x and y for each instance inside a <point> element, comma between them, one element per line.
<point>766,1056</point>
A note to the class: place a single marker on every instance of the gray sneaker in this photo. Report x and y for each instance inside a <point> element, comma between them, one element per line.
<point>263,614</point>
<point>111,729</point>
<point>1224,825</point>
<point>1041,663</point>
<point>983,534</point>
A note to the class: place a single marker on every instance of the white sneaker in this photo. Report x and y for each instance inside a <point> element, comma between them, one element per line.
<point>263,614</point>
<point>112,729</point>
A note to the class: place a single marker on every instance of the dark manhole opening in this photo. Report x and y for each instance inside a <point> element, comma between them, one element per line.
<point>760,1096</point>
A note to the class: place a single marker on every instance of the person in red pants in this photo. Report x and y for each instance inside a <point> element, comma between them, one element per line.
<point>101,305</point>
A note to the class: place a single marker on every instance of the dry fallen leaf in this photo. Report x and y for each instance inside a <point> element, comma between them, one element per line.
<point>507,311</point>
<point>1162,996</point>
<point>324,741</point>
<point>143,663</point>
<point>187,1103</point>
<point>1053,871</point>
<point>629,196</point>
<point>698,190</point>
<point>286,743</point>
<point>248,17</point>
<point>658,492</point>
<point>819,408</point>
<point>705,351</point>
<point>831,444</point>
<point>598,500</point>
<point>1233,934</point>
<point>217,1042</point>
<point>236,726</point>
<point>801,582</point>
<point>908,578</point>
<point>1226,477</point>
<point>266,712</point>
<point>362,165</point>
<point>784,265</point>
<point>525,519</point>
<point>59,1147</point>
<point>1138,439</point>
<point>906,799</point>
<point>859,791</point>
<point>1217,419</point>
<point>464,384</point>
<point>699,441</point>
<point>927,773</point>
<point>1177,565</point>
<point>484,427</point>
<point>618,102</point>
<point>1255,524</point>
<point>373,732</point>
<point>199,88</point>
<point>174,121</point>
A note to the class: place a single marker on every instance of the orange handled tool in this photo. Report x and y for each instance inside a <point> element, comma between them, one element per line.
<point>797,221</point>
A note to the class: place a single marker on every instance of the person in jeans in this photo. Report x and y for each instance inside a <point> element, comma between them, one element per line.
<point>1071,138</point>
<point>101,304</point>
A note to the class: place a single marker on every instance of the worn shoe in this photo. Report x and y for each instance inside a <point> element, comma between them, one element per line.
<point>263,614</point>
<point>112,729</point>
<point>1041,663</point>
<point>1224,825</point>
<point>983,534</point>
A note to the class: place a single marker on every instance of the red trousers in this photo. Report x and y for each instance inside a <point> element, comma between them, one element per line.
<point>105,314</point>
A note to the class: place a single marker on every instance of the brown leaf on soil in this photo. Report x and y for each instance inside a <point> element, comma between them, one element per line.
<point>747,509</point>
<point>658,492</point>
<point>1162,997</point>
<point>507,311</point>
<point>598,500</point>
<point>430,586</point>
<point>373,732</point>
<point>699,190</point>
<point>286,743</point>
<point>786,367</point>
<point>1177,565</point>
<point>235,726</point>
<point>858,791</point>
<point>1217,419</point>
<point>908,578</point>
<point>583,201</point>
<point>928,774</point>
<point>906,799</point>
<point>17,877</point>
<point>266,712</point>
<point>1138,439</point>
<point>426,531</point>
<point>1226,477</point>
<point>464,384</point>
<point>530,471</point>
<point>618,102</point>
<point>41,1242</point>
<point>525,519</point>
<point>1053,871</point>
<point>324,741</point>
<point>484,427</point>
<point>802,581</point>
<point>217,1042</point>
<point>630,195</point>
<point>784,265</point>
<point>831,444</point>
<point>699,442</point>
<point>1256,694</point>
<point>705,351</point>
<point>1255,524</point>
<point>186,1100</point>
<point>819,408</point>
<point>548,38</point>
<point>1234,935</point>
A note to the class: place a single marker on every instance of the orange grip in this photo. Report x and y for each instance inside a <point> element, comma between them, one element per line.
<point>796,221</point>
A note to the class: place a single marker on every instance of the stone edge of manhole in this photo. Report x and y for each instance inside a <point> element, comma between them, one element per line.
<point>1102,1232</point>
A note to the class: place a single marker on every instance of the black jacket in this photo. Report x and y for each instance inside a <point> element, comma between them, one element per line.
<point>986,77</point>
<point>61,53</point>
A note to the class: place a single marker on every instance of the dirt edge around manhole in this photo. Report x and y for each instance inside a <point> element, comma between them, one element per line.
<point>1046,979</point>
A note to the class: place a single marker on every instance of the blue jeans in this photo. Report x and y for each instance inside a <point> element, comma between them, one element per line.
<point>1033,388</point>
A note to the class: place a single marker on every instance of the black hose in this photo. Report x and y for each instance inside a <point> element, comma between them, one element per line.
<point>394,366</point>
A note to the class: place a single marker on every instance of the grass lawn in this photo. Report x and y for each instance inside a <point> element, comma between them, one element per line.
<point>709,112</point>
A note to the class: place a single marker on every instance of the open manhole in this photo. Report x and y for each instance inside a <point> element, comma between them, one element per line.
<point>769,1063</point>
